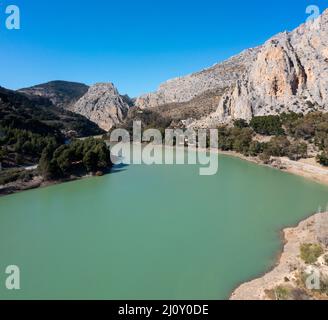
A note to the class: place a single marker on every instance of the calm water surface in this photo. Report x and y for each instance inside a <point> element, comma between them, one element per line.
<point>151,232</point>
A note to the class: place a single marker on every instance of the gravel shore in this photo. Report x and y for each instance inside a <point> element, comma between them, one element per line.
<point>289,264</point>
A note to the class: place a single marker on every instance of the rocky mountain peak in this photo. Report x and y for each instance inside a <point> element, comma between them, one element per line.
<point>103,105</point>
<point>105,87</point>
<point>288,74</point>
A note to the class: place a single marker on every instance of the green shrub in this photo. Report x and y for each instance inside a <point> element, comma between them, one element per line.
<point>289,118</point>
<point>311,252</point>
<point>240,123</point>
<point>265,158</point>
<point>225,141</point>
<point>297,150</point>
<point>277,147</point>
<point>89,155</point>
<point>10,175</point>
<point>267,125</point>
<point>282,293</point>
<point>326,259</point>
<point>242,139</point>
<point>256,148</point>
<point>323,159</point>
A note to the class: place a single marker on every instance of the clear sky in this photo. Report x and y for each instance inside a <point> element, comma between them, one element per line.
<point>137,44</point>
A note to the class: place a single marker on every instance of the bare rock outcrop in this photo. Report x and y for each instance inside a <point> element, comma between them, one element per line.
<point>103,105</point>
<point>290,73</point>
<point>184,89</point>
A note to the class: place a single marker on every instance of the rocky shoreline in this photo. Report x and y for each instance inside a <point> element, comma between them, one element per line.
<point>288,275</point>
<point>35,183</point>
<point>18,186</point>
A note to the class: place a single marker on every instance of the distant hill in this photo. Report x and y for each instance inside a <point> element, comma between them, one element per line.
<point>100,103</point>
<point>62,94</point>
<point>38,115</point>
<point>32,129</point>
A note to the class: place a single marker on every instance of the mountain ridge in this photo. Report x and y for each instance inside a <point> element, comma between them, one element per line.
<point>185,88</point>
<point>61,93</point>
<point>289,75</point>
<point>286,74</point>
<point>35,113</point>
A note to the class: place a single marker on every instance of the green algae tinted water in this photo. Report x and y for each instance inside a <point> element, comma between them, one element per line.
<point>151,232</point>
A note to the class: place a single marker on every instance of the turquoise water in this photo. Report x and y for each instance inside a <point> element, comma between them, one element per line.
<point>151,232</point>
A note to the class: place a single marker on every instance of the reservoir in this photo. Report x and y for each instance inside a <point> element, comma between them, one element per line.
<point>152,232</point>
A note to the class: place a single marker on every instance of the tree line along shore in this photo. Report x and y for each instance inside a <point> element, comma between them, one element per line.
<point>60,157</point>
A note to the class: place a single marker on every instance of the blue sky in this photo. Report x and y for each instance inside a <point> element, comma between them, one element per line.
<point>137,44</point>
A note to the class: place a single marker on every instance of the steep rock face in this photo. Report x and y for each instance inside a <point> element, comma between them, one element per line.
<point>184,89</point>
<point>103,105</point>
<point>290,73</point>
<point>62,94</point>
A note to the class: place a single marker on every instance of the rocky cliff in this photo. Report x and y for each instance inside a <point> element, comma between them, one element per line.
<point>103,105</point>
<point>289,73</point>
<point>184,89</point>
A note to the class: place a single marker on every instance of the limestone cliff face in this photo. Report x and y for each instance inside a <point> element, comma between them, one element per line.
<point>290,73</point>
<point>184,89</point>
<point>103,105</point>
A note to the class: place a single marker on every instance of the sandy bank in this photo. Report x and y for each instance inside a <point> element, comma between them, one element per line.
<point>289,265</point>
<point>307,168</point>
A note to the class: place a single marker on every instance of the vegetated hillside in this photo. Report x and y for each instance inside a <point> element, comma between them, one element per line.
<point>292,135</point>
<point>38,115</point>
<point>62,94</point>
<point>29,124</point>
<point>170,115</point>
<point>198,107</point>
<point>150,119</point>
<point>267,138</point>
